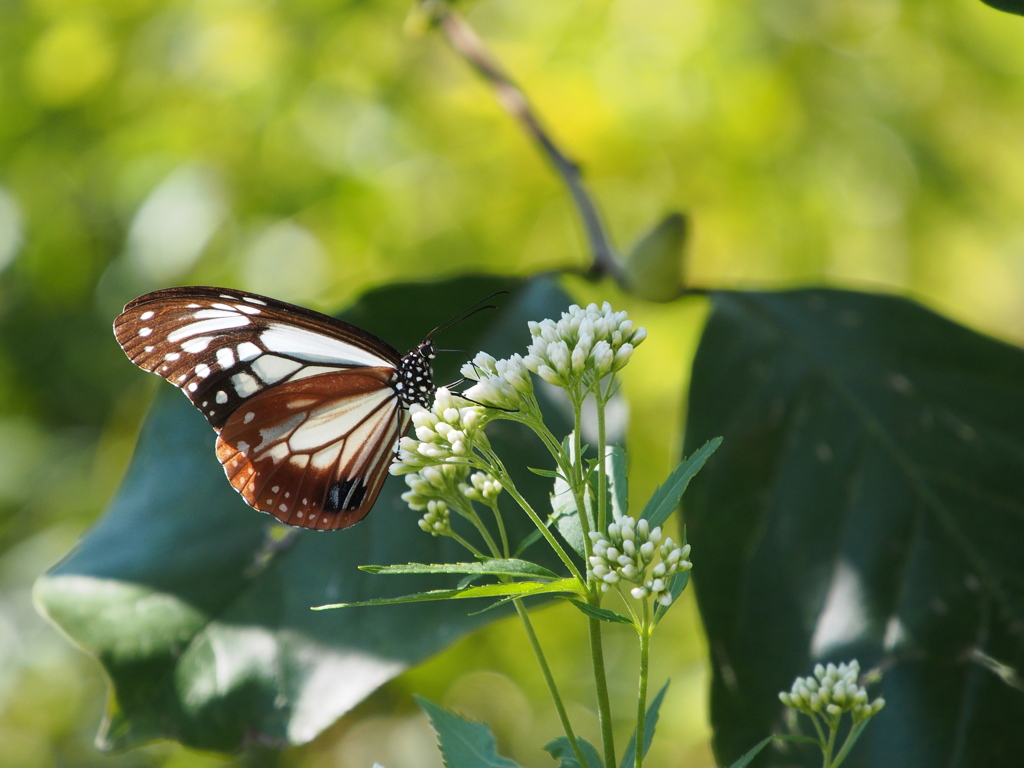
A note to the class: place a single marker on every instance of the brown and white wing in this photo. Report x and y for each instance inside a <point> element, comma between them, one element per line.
<point>303,403</point>
<point>314,453</point>
<point>222,347</point>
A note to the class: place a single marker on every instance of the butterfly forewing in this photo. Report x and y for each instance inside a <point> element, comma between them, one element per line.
<point>222,348</point>
<point>305,406</point>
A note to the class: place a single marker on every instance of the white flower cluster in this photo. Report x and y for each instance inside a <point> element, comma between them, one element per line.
<point>499,383</point>
<point>428,489</point>
<point>481,487</point>
<point>437,520</point>
<point>594,338</point>
<point>446,433</point>
<point>832,691</point>
<point>626,552</point>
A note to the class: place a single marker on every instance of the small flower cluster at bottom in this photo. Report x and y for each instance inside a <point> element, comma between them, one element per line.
<point>832,691</point>
<point>626,552</point>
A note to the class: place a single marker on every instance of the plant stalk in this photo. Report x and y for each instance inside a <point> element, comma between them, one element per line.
<point>563,715</point>
<point>641,707</point>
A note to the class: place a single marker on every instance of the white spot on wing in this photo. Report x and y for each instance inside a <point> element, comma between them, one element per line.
<point>171,356</point>
<point>315,347</point>
<point>222,397</point>
<point>251,300</point>
<point>145,331</point>
<point>278,452</point>
<point>248,351</point>
<point>248,417</point>
<point>271,368</point>
<point>242,446</point>
<point>245,385</point>
<point>146,315</point>
<point>247,309</point>
<point>195,346</point>
<point>208,326</point>
<point>208,314</point>
<point>193,387</point>
<point>202,370</point>
<point>225,357</point>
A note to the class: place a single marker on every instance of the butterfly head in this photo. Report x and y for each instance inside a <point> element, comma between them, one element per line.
<point>414,379</point>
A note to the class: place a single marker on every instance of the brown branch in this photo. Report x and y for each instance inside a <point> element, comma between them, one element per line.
<point>470,47</point>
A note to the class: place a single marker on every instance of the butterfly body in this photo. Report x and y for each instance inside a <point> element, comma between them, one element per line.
<point>308,409</point>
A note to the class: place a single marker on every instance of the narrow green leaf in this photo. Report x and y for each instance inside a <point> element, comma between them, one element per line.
<point>666,499</point>
<point>618,487</point>
<point>492,566</point>
<point>545,472</point>
<point>744,761</point>
<point>650,721</point>
<point>602,614</point>
<point>676,585</point>
<point>530,539</point>
<point>463,743</point>
<point>515,589</point>
<point>561,750</point>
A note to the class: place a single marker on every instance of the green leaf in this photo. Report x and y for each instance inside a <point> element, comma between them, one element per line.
<point>513,589</point>
<point>650,721</point>
<point>489,566</point>
<point>744,761</point>
<point>655,262</point>
<point>618,485</point>
<point>603,614</point>
<point>1009,6</point>
<point>561,750</point>
<point>201,619</point>
<point>676,584</point>
<point>545,472</point>
<point>665,500</point>
<point>463,743</point>
<point>867,502</point>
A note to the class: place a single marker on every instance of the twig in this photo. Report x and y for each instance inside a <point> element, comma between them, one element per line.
<point>468,44</point>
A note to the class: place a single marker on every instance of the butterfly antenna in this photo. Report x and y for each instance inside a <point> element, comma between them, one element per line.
<point>466,313</point>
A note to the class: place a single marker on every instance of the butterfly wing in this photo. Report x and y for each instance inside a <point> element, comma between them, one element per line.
<point>306,416</point>
<point>315,452</point>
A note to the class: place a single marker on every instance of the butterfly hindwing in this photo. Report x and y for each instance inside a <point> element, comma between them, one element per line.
<point>307,408</point>
<point>314,452</point>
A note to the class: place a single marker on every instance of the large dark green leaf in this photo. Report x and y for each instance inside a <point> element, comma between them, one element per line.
<point>202,619</point>
<point>867,501</point>
<point>1010,6</point>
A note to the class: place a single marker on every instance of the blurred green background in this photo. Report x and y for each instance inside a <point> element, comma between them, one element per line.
<point>313,149</point>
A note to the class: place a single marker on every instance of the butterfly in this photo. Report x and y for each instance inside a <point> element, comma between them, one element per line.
<point>308,409</point>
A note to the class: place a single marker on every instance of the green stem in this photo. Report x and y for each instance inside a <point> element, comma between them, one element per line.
<point>577,482</point>
<point>466,544</point>
<point>602,477</point>
<point>604,707</point>
<point>833,729</point>
<point>493,504</point>
<point>506,483</point>
<point>641,707</point>
<point>851,739</point>
<point>470,514</point>
<point>550,680</point>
